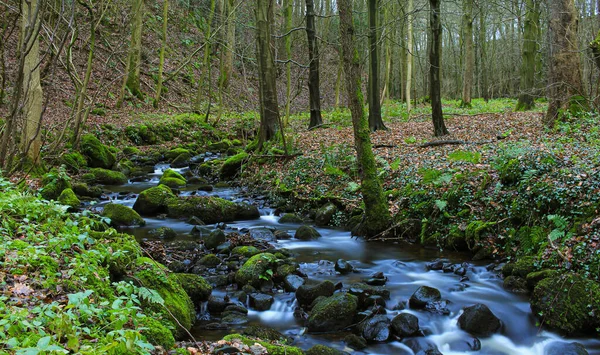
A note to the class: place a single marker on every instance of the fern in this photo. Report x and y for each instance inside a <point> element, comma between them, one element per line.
<point>465,156</point>
<point>150,295</point>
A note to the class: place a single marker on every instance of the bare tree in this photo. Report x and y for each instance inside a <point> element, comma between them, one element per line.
<point>435,54</point>
<point>313,72</point>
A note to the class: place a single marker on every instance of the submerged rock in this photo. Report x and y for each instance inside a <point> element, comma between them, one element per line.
<point>343,267</point>
<point>423,296</point>
<point>163,233</point>
<point>376,328</point>
<point>262,234</point>
<point>214,239</point>
<point>210,209</point>
<point>479,321</point>
<point>333,313</point>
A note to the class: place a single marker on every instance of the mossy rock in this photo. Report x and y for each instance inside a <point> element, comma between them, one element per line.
<point>510,172</point>
<point>105,177</point>
<point>68,198</point>
<point>264,333</point>
<point>181,160</point>
<point>174,153</point>
<point>125,251</point>
<point>129,151</point>
<point>255,270</point>
<point>74,161</point>
<point>220,146</point>
<point>148,273</point>
<point>521,267</point>
<point>533,278</point>
<point>307,233</point>
<point>245,250</point>
<point>157,333</point>
<point>89,278</point>
<point>232,165</point>
<point>98,155</point>
<point>290,218</point>
<point>325,214</point>
<point>568,303</point>
<point>153,200</point>
<point>210,260</point>
<point>53,184</point>
<point>125,166</point>
<point>83,190</point>
<point>333,313</point>
<point>196,287</point>
<point>323,350</point>
<point>172,179</point>
<point>122,215</point>
<point>272,348</point>
<point>210,209</point>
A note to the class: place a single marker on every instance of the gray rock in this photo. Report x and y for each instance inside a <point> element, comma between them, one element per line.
<point>293,282</point>
<point>324,214</point>
<point>333,313</point>
<point>290,218</point>
<point>479,321</point>
<point>424,295</point>
<point>561,348</point>
<point>343,267</point>
<point>307,233</point>
<point>262,234</point>
<point>214,239</point>
<point>306,294</point>
<point>422,346</point>
<point>405,325</point>
<point>163,233</point>
<point>355,342</point>
<point>261,301</point>
<point>216,304</point>
<point>234,318</point>
<point>376,328</point>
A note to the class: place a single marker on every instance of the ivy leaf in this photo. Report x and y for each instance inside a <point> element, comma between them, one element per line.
<point>441,204</point>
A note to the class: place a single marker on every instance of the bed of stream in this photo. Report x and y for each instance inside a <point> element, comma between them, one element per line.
<point>403,265</point>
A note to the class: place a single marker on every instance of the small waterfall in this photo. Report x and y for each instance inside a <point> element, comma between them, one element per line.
<point>203,314</point>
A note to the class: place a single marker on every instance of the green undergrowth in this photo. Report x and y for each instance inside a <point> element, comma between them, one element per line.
<point>57,294</point>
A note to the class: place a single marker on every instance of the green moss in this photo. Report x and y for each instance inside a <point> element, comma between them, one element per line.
<point>256,269</point>
<point>220,146</point>
<point>122,215</point>
<point>98,155</point>
<point>181,160</point>
<point>153,200</point>
<point>150,274</point>
<point>272,348</point>
<point>125,166</point>
<point>195,286</point>
<point>510,171</point>
<point>53,184</point>
<point>323,350</point>
<point>74,161</point>
<point>533,278</point>
<point>232,165</point>
<point>129,151</point>
<point>569,303</point>
<point>82,189</point>
<point>106,177</point>
<point>245,250</point>
<point>210,260</point>
<point>68,198</point>
<point>290,218</point>
<point>174,153</point>
<point>157,334</point>
<point>209,209</point>
<point>172,179</point>
<point>521,267</point>
<point>333,313</point>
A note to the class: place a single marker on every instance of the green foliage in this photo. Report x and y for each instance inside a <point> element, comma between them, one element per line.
<point>465,156</point>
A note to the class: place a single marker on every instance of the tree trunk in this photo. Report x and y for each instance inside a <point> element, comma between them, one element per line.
<point>163,46</point>
<point>267,73</point>
<point>564,75</point>
<point>375,121</point>
<point>230,42</point>
<point>31,142</point>
<point>409,57</point>
<point>313,73</point>
<point>287,15</point>
<point>469,58</point>
<point>435,55</point>
<point>377,215</point>
<point>135,50</point>
<point>482,55</point>
<point>529,53</point>
<point>206,81</point>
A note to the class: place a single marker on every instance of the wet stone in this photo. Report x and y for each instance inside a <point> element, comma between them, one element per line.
<point>423,296</point>
<point>405,325</point>
<point>435,265</point>
<point>376,329</point>
<point>343,267</point>
<point>261,301</point>
<point>293,282</point>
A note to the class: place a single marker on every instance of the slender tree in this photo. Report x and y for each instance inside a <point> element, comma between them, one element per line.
<point>409,57</point>
<point>313,72</point>
<point>483,64</point>
<point>230,14</point>
<point>270,120</point>
<point>467,30</point>
<point>565,90</point>
<point>529,53</point>
<point>375,120</point>
<point>163,46</point>
<point>377,215</point>
<point>132,73</point>
<point>435,55</point>
<point>206,82</point>
<point>287,15</point>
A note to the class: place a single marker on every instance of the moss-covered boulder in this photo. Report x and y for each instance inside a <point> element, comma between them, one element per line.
<point>157,333</point>
<point>181,160</point>
<point>533,278</point>
<point>214,239</point>
<point>125,250</point>
<point>569,303</point>
<point>68,198</point>
<point>98,155</point>
<point>84,190</point>
<point>333,313</point>
<point>323,350</point>
<point>196,287</point>
<point>521,267</point>
<point>74,161</point>
<point>220,146</point>
<point>174,153</point>
<point>306,294</point>
<point>172,179</point>
<point>307,233</point>
<point>256,269</point>
<point>232,165</point>
<point>148,273</point>
<point>153,200</point>
<point>125,166</point>
<point>53,184</point>
<point>210,209</point>
<point>273,348</point>
<point>245,251</point>
<point>122,215</point>
<point>290,218</point>
<point>325,213</point>
<point>105,177</point>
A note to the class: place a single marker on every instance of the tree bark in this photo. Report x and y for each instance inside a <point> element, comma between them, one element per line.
<point>135,50</point>
<point>377,216</point>
<point>287,15</point>
<point>163,46</point>
<point>31,142</point>
<point>313,72</point>
<point>435,55</point>
<point>565,91</point>
<point>469,57</point>
<point>529,53</point>
<point>409,57</point>
<point>375,121</point>
<point>482,55</point>
<point>267,73</point>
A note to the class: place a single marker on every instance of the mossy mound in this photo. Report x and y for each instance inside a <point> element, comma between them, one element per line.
<point>210,209</point>
<point>97,154</point>
<point>220,146</point>
<point>74,161</point>
<point>272,348</point>
<point>232,165</point>
<point>333,313</point>
<point>53,184</point>
<point>290,218</point>
<point>105,177</point>
<point>152,275</point>
<point>196,287</point>
<point>323,350</point>
<point>172,179</point>
<point>521,267</point>
<point>157,334</point>
<point>181,160</point>
<point>125,166</point>
<point>174,153</point>
<point>122,215</point>
<point>256,269</point>
<point>83,190</point>
<point>245,250</point>
<point>68,198</point>
<point>153,200</point>
<point>569,303</point>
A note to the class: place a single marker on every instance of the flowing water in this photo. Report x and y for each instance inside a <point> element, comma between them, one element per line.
<point>404,266</point>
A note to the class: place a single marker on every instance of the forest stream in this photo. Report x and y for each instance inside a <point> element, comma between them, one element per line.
<point>404,266</point>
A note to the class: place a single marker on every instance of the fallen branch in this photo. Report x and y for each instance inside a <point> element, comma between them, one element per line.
<point>323,125</point>
<point>456,142</point>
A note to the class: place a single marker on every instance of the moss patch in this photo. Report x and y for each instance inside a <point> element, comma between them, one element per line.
<point>68,198</point>
<point>106,177</point>
<point>256,269</point>
<point>153,200</point>
<point>209,209</point>
<point>122,215</point>
<point>232,165</point>
<point>98,155</point>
